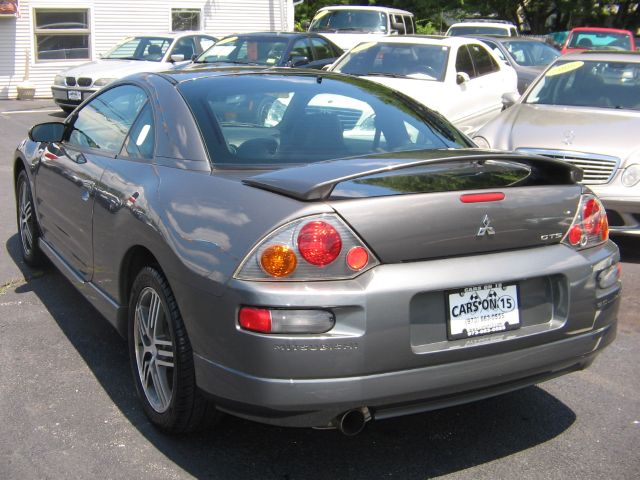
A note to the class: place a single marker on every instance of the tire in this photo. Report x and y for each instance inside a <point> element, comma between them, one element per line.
<point>162,359</point>
<point>28,228</point>
<point>67,110</point>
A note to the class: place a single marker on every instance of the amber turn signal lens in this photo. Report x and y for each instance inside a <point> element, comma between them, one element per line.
<point>278,260</point>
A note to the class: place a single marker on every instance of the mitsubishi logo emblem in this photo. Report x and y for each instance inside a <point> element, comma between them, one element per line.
<point>486,228</point>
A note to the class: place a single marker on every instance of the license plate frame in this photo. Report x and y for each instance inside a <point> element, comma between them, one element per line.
<point>490,308</point>
<point>74,95</point>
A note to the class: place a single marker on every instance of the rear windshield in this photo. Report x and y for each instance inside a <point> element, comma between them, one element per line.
<point>600,40</point>
<point>272,119</point>
<point>424,62</point>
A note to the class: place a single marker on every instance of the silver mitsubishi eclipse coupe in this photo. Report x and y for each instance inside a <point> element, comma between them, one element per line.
<point>314,250</point>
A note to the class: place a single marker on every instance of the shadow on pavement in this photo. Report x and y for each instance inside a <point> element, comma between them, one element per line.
<point>629,248</point>
<point>417,446</point>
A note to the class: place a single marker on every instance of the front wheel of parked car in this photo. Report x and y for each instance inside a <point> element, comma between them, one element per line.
<point>27,222</point>
<point>162,359</point>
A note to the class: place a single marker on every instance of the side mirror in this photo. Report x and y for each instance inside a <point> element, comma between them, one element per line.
<point>297,61</point>
<point>462,77</point>
<point>177,57</point>
<point>398,27</point>
<point>509,99</point>
<point>327,66</point>
<point>47,132</point>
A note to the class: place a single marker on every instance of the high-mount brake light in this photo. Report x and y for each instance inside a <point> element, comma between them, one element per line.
<point>319,243</point>
<point>481,197</point>
<point>590,226</point>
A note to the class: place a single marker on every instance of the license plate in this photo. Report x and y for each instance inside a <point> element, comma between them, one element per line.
<point>482,310</point>
<point>74,95</point>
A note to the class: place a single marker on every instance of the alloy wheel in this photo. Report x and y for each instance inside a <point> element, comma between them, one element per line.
<point>154,350</point>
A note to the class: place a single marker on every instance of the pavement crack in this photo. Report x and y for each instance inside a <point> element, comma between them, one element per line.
<point>19,281</point>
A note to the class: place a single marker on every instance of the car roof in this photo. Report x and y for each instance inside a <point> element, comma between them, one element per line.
<point>483,23</point>
<point>273,34</point>
<point>503,39</point>
<point>600,29</point>
<point>170,35</point>
<point>603,56</point>
<point>425,40</point>
<point>361,7</point>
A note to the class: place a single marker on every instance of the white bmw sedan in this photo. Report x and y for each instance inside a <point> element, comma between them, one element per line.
<point>459,77</point>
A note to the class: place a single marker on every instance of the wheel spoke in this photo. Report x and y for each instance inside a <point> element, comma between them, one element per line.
<point>154,313</point>
<point>164,396</point>
<point>27,234</point>
<point>165,353</point>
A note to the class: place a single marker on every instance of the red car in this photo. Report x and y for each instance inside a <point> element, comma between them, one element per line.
<point>595,38</point>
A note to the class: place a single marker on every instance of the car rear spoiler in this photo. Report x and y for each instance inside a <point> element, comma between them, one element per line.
<point>316,181</point>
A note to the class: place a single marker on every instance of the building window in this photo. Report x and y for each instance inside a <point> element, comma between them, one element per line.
<point>62,34</point>
<point>185,19</point>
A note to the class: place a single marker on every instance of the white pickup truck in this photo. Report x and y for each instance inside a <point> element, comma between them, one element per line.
<point>347,26</point>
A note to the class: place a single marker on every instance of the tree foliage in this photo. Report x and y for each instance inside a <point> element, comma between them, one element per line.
<point>535,16</point>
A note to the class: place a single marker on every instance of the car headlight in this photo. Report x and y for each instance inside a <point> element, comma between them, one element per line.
<point>481,142</point>
<point>59,80</point>
<point>631,175</point>
<point>101,82</point>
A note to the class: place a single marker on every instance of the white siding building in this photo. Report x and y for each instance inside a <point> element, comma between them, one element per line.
<point>44,37</point>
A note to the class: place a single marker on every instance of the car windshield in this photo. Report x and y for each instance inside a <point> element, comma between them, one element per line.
<point>425,62</point>
<point>477,30</point>
<point>271,120</point>
<point>589,84</point>
<point>349,20</point>
<point>246,50</point>
<point>140,48</point>
<point>531,54</point>
<point>600,40</point>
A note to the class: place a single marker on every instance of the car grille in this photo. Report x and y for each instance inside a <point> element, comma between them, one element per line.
<point>71,81</point>
<point>597,169</point>
<point>84,82</point>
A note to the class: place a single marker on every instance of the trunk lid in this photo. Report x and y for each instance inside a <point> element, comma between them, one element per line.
<point>419,205</point>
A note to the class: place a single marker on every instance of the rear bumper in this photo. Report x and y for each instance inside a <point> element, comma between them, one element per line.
<point>389,350</point>
<point>315,402</point>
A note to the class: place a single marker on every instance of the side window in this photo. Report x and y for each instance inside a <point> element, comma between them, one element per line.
<point>482,60</point>
<point>141,138</point>
<point>321,48</point>
<point>464,63</point>
<point>205,43</point>
<point>408,22</point>
<point>184,46</point>
<point>302,48</point>
<point>104,122</point>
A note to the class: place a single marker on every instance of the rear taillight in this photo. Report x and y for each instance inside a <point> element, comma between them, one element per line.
<point>590,226</point>
<point>321,247</point>
<point>278,320</point>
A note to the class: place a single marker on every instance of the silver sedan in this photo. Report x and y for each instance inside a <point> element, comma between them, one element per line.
<point>585,110</point>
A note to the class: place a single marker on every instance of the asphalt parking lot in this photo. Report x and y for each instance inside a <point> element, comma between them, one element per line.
<point>68,409</point>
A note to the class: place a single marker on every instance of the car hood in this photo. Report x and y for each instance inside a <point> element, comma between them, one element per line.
<point>114,68</point>
<point>591,130</point>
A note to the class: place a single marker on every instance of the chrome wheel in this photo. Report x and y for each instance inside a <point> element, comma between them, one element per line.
<point>154,350</point>
<point>25,221</point>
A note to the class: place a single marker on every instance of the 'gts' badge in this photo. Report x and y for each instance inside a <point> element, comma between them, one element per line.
<point>486,228</point>
<point>551,236</point>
